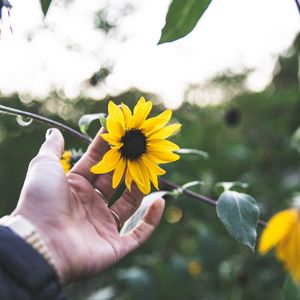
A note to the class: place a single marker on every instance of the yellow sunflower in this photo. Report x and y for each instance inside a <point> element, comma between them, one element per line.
<point>66,160</point>
<point>69,158</point>
<point>283,233</point>
<point>137,145</point>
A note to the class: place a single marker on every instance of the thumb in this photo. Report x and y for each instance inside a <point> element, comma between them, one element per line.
<point>51,150</point>
<point>53,145</point>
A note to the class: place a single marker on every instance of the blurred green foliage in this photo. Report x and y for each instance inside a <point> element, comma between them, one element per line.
<point>190,256</point>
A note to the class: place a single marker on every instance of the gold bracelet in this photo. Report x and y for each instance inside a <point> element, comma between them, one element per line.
<point>27,231</point>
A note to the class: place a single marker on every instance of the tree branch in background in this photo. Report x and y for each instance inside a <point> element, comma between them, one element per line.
<point>41,119</point>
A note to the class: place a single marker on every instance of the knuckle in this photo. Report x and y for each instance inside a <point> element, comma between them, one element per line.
<point>132,199</point>
<point>39,159</point>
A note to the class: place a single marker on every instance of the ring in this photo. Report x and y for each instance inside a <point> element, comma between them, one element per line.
<point>102,196</point>
<point>117,218</point>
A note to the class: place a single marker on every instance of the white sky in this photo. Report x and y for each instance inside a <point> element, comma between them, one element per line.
<point>233,34</point>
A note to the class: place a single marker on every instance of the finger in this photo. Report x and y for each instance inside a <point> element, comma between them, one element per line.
<point>52,148</point>
<point>92,156</point>
<point>144,229</point>
<point>46,163</point>
<point>128,203</point>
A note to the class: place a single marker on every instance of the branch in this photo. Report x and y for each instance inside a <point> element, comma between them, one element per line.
<point>168,185</point>
<point>41,119</point>
<point>172,186</point>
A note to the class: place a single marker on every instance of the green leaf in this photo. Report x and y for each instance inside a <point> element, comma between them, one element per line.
<point>139,214</point>
<point>85,121</point>
<point>290,290</point>
<point>193,151</point>
<point>103,121</point>
<point>45,6</point>
<point>181,18</point>
<point>239,213</point>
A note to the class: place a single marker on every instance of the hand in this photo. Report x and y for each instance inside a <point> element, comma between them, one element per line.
<point>72,218</point>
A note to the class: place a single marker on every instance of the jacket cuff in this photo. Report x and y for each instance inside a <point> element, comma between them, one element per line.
<point>27,267</point>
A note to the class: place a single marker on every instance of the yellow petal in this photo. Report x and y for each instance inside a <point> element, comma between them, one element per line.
<point>158,122</point>
<point>118,173</point>
<point>152,166</point>
<point>108,163</point>
<point>128,179</point>
<point>161,157</point>
<point>161,145</point>
<point>127,116</point>
<point>115,128</point>
<point>140,104</point>
<point>153,178</point>
<point>281,249</point>
<point>142,188</point>
<point>296,271</point>
<point>277,229</point>
<point>154,181</point>
<point>164,132</point>
<point>291,252</point>
<point>115,113</point>
<point>135,172</point>
<point>102,168</point>
<point>144,171</point>
<point>111,139</point>
<point>141,114</point>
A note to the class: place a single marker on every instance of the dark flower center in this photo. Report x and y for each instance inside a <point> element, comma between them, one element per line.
<point>134,144</point>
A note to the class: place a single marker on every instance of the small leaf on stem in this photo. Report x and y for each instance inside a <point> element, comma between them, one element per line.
<point>193,151</point>
<point>85,121</point>
<point>103,121</point>
<point>139,214</point>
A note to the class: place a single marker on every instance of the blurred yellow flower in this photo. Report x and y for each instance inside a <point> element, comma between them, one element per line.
<point>66,160</point>
<point>138,145</point>
<point>194,268</point>
<point>69,158</point>
<point>283,233</point>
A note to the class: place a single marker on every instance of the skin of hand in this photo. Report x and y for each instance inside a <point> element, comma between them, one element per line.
<point>72,218</point>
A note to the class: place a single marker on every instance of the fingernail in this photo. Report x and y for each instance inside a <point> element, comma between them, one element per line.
<point>48,132</point>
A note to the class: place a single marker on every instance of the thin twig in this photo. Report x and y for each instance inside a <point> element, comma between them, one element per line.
<point>163,182</point>
<point>172,186</point>
<point>18,112</point>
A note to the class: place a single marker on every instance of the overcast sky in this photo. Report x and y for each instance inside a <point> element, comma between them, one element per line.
<point>233,34</point>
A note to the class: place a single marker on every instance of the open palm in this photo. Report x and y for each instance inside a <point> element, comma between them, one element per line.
<point>75,221</point>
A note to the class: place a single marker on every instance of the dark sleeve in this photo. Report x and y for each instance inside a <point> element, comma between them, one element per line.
<point>24,273</point>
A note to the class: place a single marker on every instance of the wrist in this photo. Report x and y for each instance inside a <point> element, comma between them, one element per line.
<point>28,232</point>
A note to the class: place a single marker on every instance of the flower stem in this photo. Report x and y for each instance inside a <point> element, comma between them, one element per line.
<point>41,119</point>
<point>166,184</point>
